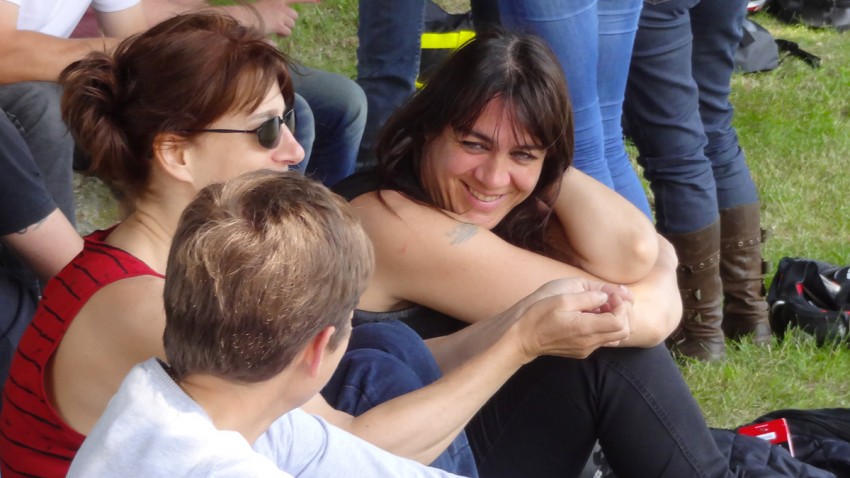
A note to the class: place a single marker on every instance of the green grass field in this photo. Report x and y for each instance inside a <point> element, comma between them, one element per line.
<point>794,124</point>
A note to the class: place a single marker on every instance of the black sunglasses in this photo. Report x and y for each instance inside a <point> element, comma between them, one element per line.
<point>268,133</point>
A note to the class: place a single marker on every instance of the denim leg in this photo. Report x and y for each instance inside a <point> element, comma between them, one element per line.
<point>618,22</point>
<point>18,300</point>
<point>339,116</point>
<point>385,360</point>
<point>571,27</point>
<point>34,109</point>
<point>662,110</point>
<point>543,422</point>
<point>717,30</point>
<point>593,43</point>
<point>305,130</point>
<point>390,33</point>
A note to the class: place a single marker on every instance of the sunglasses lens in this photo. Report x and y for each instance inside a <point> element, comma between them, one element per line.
<point>289,120</point>
<point>269,133</point>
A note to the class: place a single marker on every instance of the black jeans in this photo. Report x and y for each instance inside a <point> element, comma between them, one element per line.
<point>544,421</point>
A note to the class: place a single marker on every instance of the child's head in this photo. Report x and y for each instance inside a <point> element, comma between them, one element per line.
<point>259,266</point>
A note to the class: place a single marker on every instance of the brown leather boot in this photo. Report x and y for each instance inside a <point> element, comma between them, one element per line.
<point>742,271</point>
<point>699,335</point>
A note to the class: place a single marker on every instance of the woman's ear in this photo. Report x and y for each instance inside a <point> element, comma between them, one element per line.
<point>170,153</point>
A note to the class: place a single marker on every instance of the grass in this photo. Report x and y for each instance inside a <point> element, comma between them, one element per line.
<point>794,124</point>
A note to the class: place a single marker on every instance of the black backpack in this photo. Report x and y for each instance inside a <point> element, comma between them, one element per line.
<point>759,51</point>
<point>813,296</point>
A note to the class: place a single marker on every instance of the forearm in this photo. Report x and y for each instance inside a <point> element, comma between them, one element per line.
<point>658,305</point>
<point>32,56</point>
<point>46,246</point>
<point>434,415</point>
<point>608,236</point>
<point>420,425</point>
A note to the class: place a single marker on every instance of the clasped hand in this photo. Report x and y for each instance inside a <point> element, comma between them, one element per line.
<point>572,318</point>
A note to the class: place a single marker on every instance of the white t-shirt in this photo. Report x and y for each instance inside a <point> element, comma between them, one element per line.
<point>59,17</point>
<point>151,428</point>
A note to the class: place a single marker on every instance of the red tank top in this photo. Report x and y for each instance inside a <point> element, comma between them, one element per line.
<point>34,440</point>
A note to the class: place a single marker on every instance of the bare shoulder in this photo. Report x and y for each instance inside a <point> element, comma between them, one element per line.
<point>124,319</point>
<point>120,326</point>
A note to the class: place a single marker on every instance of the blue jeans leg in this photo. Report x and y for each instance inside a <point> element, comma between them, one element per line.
<point>662,110</point>
<point>33,107</point>
<point>305,130</point>
<point>717,30</point>
<point>580,33</point>
<point>339,117</point>
<point>18,299</point>
<point>618,22</point>
<point>385,360</point>
<point>389,32</point>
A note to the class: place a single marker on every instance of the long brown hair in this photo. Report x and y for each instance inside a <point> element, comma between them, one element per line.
<point>523,72</point>
<point>180,75</point>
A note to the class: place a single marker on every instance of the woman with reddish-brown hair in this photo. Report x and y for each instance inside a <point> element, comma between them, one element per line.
<point>141,114</point>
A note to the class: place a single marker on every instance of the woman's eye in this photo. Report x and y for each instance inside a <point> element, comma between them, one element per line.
<point>472,145</point>
<point>523,156</point>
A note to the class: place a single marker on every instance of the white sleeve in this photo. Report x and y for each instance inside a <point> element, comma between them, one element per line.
<point>109,6</point>
<point>321,448</point>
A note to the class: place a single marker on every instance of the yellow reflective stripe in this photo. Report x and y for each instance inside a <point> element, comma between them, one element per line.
<point>448,40</point>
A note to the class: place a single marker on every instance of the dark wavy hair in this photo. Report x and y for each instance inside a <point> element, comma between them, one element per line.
<point>523,72</point>
<point>182,74</point>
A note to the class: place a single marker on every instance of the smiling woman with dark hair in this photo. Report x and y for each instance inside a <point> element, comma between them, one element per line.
<point>474,205</point>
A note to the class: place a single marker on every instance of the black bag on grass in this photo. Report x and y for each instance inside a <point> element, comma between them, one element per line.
<point>759,51</point>
<point>813,296</point>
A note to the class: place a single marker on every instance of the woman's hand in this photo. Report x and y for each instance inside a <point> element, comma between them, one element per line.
<point>571,318</point>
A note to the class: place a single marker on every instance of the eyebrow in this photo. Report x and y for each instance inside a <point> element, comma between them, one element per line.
<point>489,140</point>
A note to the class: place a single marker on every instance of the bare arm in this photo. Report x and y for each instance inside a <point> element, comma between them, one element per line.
<point>268,16</point>
<point>33,56</point>
<point>425,257</point>
<point>483,357</point>
<point>606,235</point>
<point>46,246</point>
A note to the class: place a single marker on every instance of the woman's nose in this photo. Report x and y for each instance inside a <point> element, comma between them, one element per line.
<point>288,151</point>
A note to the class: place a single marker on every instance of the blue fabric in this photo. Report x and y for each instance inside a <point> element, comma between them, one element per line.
<point>678,111</point>
<point>25,201</point>
<point>593,41</point>
<point>385,360</point>
<point>330,114</point>
<point>389,34</point>
<point>33,107</point>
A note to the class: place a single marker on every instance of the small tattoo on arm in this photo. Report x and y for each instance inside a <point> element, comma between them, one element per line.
<point>462,233</point>
<point>32,227</point>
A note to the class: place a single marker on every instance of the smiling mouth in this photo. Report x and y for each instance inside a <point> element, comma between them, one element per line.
<point>481,196</point>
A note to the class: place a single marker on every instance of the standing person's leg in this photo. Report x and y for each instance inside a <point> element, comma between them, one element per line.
<point>305,130</point>
<point>339,116</point>
<point>618,22</point>
<point>385,360</point>
<point>571,29</point>
<point>662,110</point>
<point>717,29</point>
<point>33,107</point>
<point>543,422</point>
<point>390,33</point>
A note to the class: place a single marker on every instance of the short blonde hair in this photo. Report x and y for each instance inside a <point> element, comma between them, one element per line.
<point>258,266</point>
